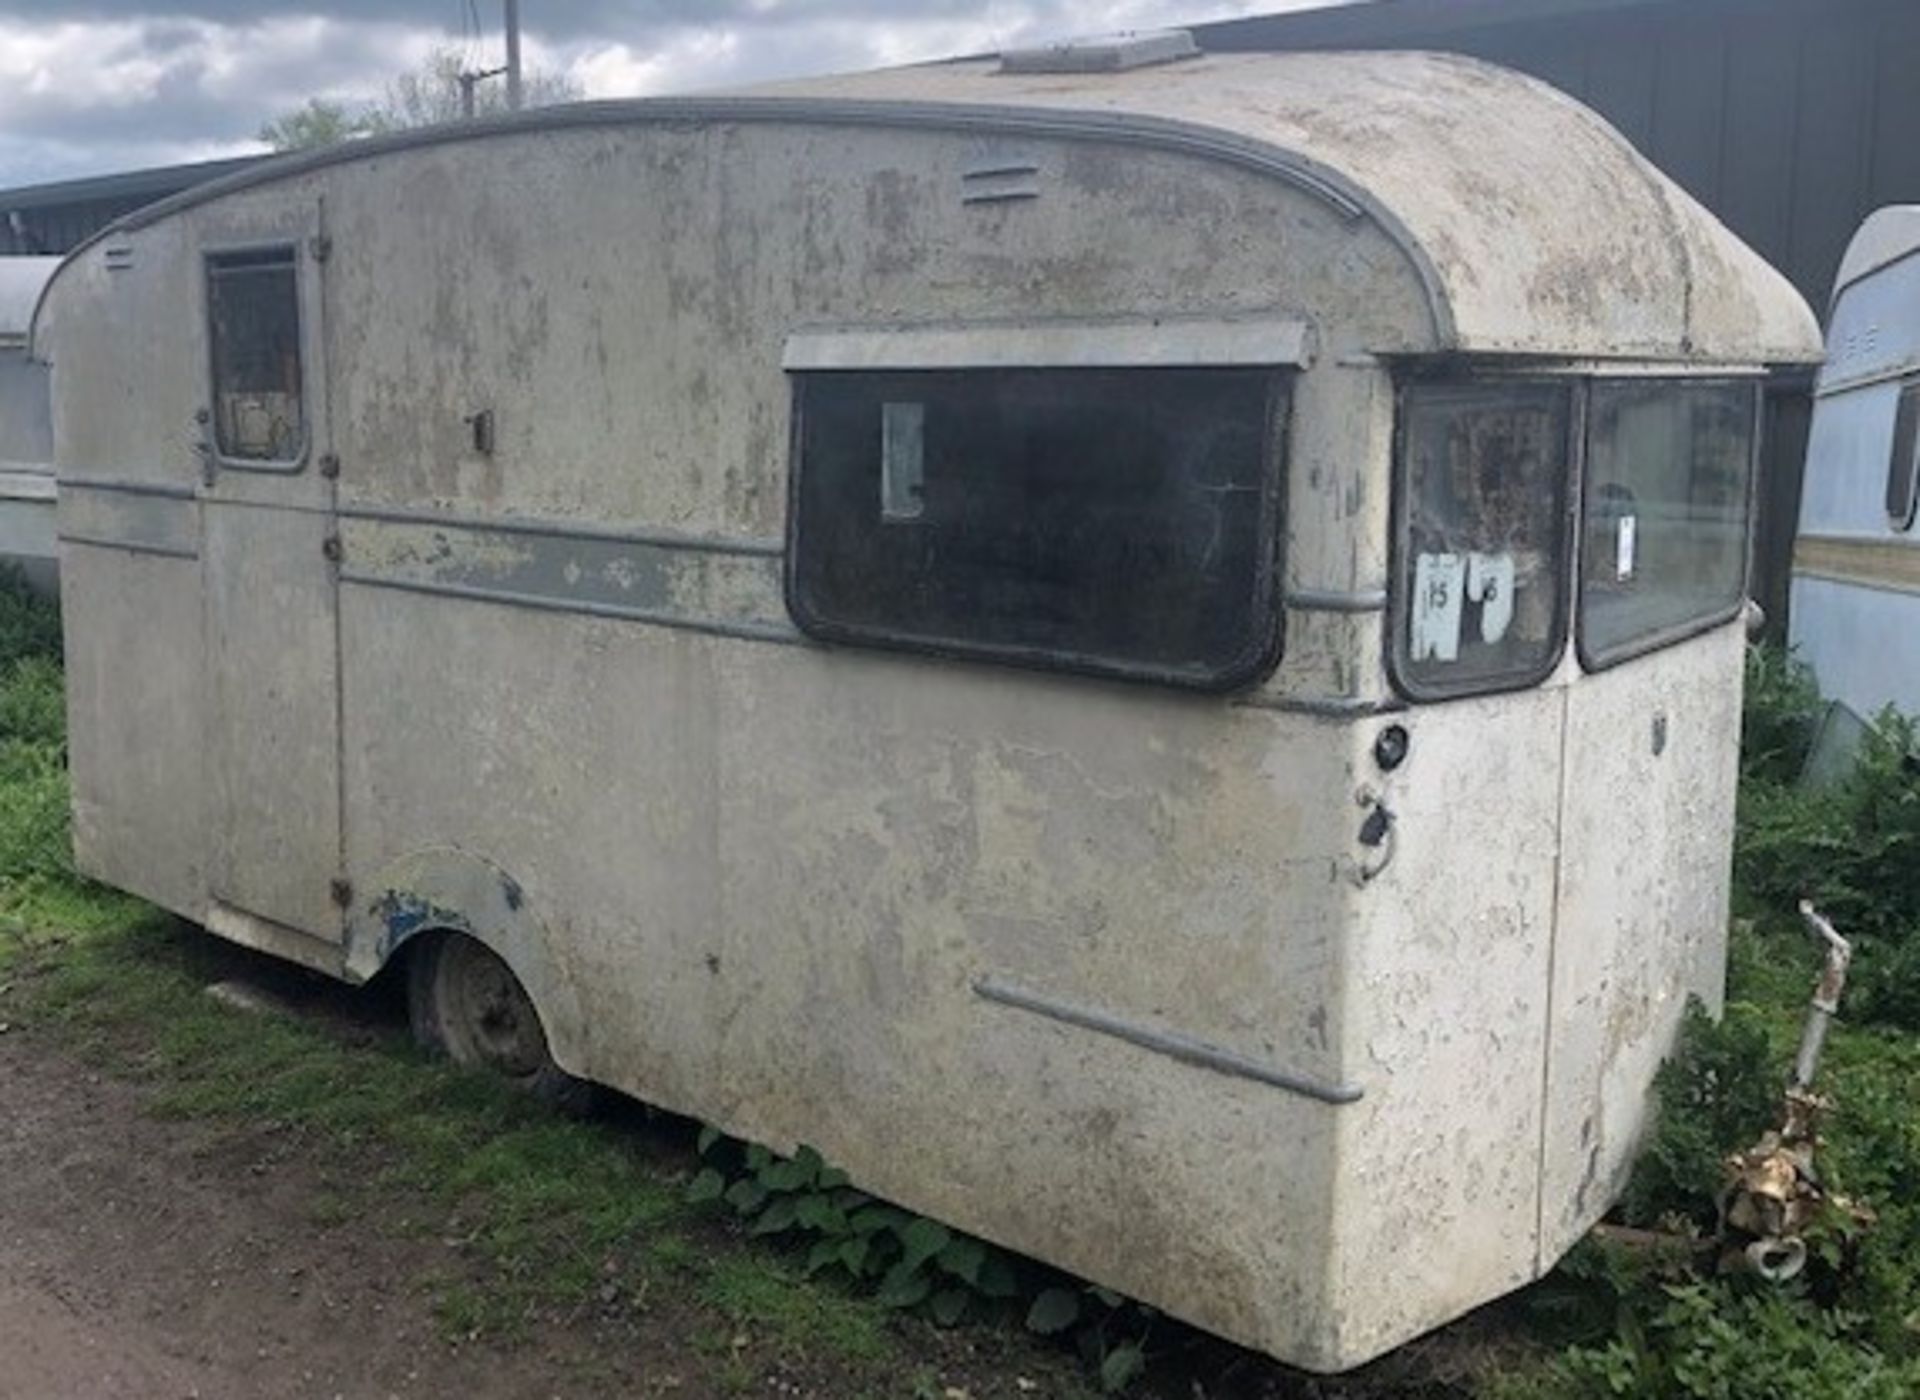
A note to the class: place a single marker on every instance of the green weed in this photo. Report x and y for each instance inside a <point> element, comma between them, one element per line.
<point>1668,1324</point>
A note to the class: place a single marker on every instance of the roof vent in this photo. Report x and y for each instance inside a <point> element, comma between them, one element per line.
<point>1108,53</point>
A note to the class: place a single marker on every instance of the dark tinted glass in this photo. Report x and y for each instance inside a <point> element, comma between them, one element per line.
<point>254,317</point>
<point>1110,520</point>
<point>1480,583</point>
<point>1669,471</point>
<point>1904,460</point>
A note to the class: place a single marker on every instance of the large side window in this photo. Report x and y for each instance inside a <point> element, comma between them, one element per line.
<point>1669,473</point>
<point>1479,595</point>
<point>1113,520</point>
<point>253,314</point>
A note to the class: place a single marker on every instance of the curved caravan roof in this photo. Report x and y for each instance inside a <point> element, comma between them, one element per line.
<point>1534,226</point>
<point>1887,236</point>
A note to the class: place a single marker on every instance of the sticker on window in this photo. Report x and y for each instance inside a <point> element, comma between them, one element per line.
<point>1490,584</point>
<point>1485,471</point>
<point>903,471</point>
<point>1438,600</point>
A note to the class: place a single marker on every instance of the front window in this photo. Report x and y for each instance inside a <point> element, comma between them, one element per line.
<point>1122,521</point>
<point>1664,548</point>
<point>1483,536</point>
<point>253,313</point>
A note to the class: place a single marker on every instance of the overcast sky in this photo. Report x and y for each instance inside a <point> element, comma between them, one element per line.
<point>88,86</point>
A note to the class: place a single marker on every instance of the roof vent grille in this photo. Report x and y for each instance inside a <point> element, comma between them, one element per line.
<point>1109,53</point>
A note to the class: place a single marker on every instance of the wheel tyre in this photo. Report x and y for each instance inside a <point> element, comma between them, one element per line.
<point>464,1002</point>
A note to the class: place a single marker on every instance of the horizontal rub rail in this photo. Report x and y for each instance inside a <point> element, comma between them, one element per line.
<point>163,551</point>
<point>169,490</point>
<point>757,632</point>
<point>1185,1048</point>
<point>1334,600</point>
<point>569,530</point>
<point>1325,706</point>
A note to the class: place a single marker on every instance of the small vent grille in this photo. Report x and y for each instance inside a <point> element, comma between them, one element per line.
<point>992,182</point>
<point>1110,53</point>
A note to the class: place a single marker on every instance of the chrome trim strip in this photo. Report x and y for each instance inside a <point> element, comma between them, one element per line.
<point>749,631</point>
<point>745,545</point>
<point>1184,1048</point>
<point>164,551</point>
<point>127,488</point>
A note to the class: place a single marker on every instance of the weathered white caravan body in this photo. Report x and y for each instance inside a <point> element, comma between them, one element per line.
<point>1036,631</point>
<point>1854,612</point>
<point>26,429</point>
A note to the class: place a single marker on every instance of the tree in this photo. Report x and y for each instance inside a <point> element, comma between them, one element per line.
<point>319,123</point>
<point>426,96</point>
<point>430,94</point>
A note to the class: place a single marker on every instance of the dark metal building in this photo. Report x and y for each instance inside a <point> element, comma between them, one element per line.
<point>1790,119</point>
<point>53,218</point>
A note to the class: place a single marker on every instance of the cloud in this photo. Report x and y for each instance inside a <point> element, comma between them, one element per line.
<point>95,85</point>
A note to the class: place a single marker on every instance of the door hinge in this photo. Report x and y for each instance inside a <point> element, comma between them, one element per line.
<point>342,892</point>
<point>330,547</point>
<point>321,246</point>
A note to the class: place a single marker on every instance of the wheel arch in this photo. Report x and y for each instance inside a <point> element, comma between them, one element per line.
<point>444,889</point>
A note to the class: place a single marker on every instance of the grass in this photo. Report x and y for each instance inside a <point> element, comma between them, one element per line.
<point>1675,1327</point>
<point>554,1215</point>
<point>553,1220</point>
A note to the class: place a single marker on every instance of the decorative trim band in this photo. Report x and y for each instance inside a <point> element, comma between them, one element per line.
<point>726,591</point>
<point>1865,562</point>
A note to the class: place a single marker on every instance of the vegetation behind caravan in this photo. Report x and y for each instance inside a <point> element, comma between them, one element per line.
<point>424,96</point>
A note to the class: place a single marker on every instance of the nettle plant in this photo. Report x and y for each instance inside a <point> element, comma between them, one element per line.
<point>910,1262</point>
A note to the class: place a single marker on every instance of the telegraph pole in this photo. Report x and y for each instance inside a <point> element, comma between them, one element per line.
<point>513,55</point>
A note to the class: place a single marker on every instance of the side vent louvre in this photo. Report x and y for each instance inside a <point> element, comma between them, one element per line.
<point>993,181</point>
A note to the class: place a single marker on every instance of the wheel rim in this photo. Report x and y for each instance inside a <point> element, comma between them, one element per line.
<point>489,1019</point>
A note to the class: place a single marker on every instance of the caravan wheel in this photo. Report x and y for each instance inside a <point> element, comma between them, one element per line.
<point>464,1001</point>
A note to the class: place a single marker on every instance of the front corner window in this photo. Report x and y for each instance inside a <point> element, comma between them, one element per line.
<point>1669,473</point>
<point>1478,598</point>
<point>253,316</point>
<point>1120,521</point>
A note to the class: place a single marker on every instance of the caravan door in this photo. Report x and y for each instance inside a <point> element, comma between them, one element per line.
<point>273,734</point>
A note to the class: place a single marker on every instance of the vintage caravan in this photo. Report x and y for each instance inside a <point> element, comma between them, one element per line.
<point>1145,653</point>
<point>26,429</point>
<point>1854,611</point>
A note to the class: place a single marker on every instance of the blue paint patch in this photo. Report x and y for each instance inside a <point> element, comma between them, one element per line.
<point>402,914</point>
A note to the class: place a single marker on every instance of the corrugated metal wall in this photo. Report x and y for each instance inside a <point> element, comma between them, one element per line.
<point>1790,119</point>
<point>56,218</point>
<point>57,228</point>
